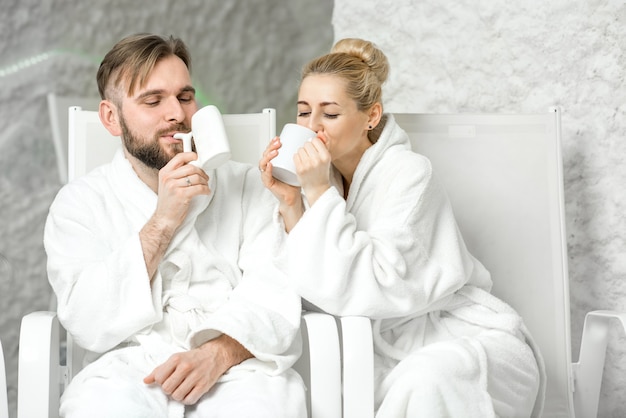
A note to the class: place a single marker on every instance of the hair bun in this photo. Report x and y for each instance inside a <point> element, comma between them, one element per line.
<point>367,52</point>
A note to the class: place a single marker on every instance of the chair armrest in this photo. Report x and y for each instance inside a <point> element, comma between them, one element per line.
<point>320,365</point>
<point>590,367</point>
<point>358,367</point>
<point>39,369</point>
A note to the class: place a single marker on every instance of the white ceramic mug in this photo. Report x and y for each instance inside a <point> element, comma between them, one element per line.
<point>292,138</point>
<point>209,137</point>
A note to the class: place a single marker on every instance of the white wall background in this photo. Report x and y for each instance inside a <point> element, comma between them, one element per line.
<point>246,55</point>
<point>515,57</point>
<point>465,55</point>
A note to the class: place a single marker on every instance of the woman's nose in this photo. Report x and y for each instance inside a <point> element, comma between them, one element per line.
<point>314,123</point>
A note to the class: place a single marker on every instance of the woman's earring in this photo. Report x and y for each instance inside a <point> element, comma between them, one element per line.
<point>370,127</point>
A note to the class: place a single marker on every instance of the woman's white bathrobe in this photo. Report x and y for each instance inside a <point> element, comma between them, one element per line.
<point>444,346</point>
<point>216,277</point>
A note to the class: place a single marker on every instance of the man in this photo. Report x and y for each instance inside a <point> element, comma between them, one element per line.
<point>163,271</point>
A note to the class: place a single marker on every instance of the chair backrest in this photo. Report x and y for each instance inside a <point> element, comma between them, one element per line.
<point>91,145</point>
<point>57,110</point>
<point>503,174</point>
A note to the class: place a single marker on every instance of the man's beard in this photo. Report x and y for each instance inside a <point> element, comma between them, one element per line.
<point>148,152</point>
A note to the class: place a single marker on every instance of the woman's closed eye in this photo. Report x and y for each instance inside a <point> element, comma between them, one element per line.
<point>326,115</point>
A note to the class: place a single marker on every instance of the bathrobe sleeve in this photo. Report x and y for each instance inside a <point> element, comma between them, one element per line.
<point>96,267</point>
<point>392,250</point>
<point>263,312</point>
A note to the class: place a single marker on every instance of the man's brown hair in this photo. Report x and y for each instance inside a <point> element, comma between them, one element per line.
<point>132,59</point>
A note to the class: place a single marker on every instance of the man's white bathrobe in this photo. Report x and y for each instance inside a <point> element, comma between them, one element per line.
<point>216,277</point>
<point>444,346</point>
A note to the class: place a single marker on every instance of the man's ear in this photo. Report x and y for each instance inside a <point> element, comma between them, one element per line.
<point>110,118</point>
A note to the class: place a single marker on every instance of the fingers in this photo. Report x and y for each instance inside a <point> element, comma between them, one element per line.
<point>266,175</point>
<point>271,151</point>
<point>319,144</point>
<point>150,379</point>
<point>183,185</point>
<point>315,145</point>
<point>182,379</point>
<point>172,376</point>
<point>179,166</point>
<point>181,159</point>
<point>191,180</point>
<point>271,182</point>
<point>189,390</point>
<point>180,174</point>
<point>179,182</point>
<point>322,137</point>
<point>160,374</point>
<point>265,165</point>
<point>312,154</point>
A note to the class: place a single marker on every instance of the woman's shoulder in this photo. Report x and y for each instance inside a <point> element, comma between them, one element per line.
<point>406,162</point>
<point>397,148</point>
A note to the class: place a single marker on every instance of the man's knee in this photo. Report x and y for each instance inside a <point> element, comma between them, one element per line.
<point>103,398</point>
<point>254,393</point>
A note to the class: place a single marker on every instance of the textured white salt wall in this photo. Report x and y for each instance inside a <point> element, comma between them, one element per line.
<point>247,55</point>
<point>499,56</point>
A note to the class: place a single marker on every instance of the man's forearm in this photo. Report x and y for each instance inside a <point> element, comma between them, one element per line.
<point>228,351</point>
<point>155,237</point>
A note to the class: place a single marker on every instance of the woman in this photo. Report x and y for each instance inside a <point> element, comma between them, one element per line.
<point>374,235</point>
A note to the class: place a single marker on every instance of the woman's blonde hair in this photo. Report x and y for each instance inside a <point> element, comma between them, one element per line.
<point>360,63</point>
